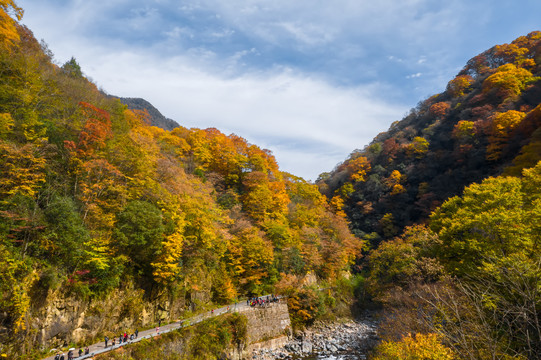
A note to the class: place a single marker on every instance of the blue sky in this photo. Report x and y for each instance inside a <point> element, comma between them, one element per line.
<point>310,80</point>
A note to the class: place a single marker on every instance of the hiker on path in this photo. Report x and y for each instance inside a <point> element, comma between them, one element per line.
<point>87,350</point>
<point>80,352</point>
<point>106,340</point>
<point>57,357</point>
<point>136,333</point>
<point>62,357</point>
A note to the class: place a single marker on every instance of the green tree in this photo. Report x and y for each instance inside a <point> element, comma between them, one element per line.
<point>138,233</point>
<point>72,68</point>
<point>65,231</point>
<point>494,219</point>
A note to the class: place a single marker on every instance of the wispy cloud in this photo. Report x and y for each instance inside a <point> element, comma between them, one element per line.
<point>311,80</point>
<point>413,76</point>
<point>278,109</point>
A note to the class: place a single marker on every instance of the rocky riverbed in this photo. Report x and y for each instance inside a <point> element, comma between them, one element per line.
<point>348,339</point>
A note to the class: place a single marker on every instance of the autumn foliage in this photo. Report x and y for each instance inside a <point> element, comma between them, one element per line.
<point>450,207</point>
<point>486,120</point>
<point>93,199</point>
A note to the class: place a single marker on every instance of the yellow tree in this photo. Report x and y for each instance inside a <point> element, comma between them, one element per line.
<point>459,85</point>
<point>502,126</point>
<point>264,199</point>
<point>8,29</point>
<point>359,167</point>
<point>23,171</point>
<point>337,204</point>
<point>394,181</point>
<point>167,265</point>
<point>199,156</point>
<point>464,131</point>
<point>136,154</point>
<point>421,346</point>
<point>387,226</point>
<point>250,256</point>
<point>6,124</point>
<point>508,80</point>
<point>418,147</point>
<point>511,53</point>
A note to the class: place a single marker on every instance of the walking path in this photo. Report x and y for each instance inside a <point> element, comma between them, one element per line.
<point>99,348</point>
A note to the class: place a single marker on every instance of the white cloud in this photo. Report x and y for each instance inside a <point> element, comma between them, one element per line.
<point>238,65</point>
<point>307,33</point>
<point>413,76</point>
<point>179,32</point>
<point>223,33</point>
<point>309,124</point>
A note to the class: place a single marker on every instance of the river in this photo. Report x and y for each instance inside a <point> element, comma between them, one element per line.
<point>345,340</point>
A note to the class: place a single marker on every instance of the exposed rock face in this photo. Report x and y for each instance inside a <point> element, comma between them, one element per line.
<point>60,320</point>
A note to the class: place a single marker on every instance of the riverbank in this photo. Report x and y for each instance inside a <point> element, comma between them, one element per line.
<point>351,338</point>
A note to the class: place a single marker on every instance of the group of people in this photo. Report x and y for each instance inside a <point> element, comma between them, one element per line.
<point>70,354</point>
<point>261,301</point>
<point>123,338</point>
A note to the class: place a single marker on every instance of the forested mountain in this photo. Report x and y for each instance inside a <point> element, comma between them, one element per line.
<point>154,115</point>
<point>94,200</point>
<point>108,223</point>
<point>450,200</point>
<point>487,122</point>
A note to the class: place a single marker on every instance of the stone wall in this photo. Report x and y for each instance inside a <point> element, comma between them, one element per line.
<point>269,322</point>
<point>267,328</point>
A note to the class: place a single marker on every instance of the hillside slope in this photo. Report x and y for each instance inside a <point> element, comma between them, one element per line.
<point>487,122</point>
<point>107,222</point>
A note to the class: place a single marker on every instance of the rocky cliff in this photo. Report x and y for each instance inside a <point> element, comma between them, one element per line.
<point>59,321</point>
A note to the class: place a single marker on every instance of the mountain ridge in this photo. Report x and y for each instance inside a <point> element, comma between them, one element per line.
<point>155,116</point>
<point>485,123</point>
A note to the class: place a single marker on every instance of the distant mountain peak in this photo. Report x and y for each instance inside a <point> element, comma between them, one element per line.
<point>156,117</point>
